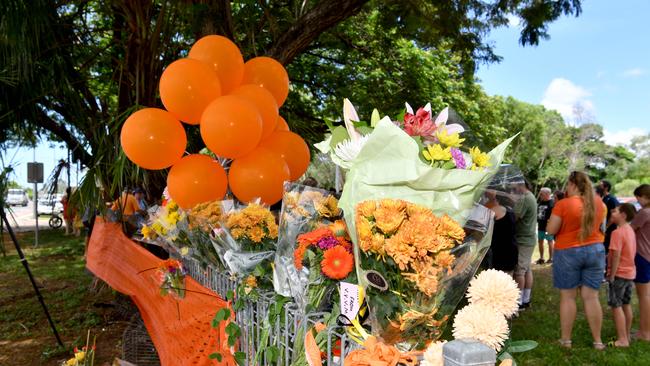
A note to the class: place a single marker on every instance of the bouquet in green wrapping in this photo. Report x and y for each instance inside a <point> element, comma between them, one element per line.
<point>410,189</point>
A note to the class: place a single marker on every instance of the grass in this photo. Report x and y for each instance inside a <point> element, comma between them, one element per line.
<point>58,267</point>
<point>541,323</point>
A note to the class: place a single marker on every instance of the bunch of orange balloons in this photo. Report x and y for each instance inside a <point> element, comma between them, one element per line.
<point>235,104</point>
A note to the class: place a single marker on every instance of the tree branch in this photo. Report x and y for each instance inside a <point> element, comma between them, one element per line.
<point>324,15</point>
<point>78,151</point>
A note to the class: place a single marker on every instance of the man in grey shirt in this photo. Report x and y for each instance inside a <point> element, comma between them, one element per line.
<point>526,238</point>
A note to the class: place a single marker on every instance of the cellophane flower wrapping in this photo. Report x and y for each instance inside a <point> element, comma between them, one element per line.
<point>304,210</point>
<point>388,167</point>
<point>246,240</point>
<point>203,223</point>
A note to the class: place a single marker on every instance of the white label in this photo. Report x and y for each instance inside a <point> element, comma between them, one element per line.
<point>349,300</point>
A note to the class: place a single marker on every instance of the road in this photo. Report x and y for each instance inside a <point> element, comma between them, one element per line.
<point>22,218</point>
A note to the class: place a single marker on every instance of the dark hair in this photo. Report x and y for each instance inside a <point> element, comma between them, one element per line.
<point>606,184</point>
<point>643,191</point>
<point>628,209</point>
<point>583,184</point>
<point>558,195</point>
<point>600,191</point>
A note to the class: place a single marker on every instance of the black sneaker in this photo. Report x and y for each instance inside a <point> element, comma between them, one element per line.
<point>524,306</point>
<point>540,261</point>
<point>549,261</point>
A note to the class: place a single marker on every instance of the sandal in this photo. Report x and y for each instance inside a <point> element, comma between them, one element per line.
<point>565,343</point>
<point>599,346</point>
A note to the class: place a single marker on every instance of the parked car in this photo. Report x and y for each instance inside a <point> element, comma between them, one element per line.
<point>17,197</point>
<point>50,204</point>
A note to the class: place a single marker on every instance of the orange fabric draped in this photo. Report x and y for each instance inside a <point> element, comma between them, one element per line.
<point>180,329</point>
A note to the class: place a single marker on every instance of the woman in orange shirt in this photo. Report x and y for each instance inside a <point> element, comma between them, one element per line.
<point>579,255</point>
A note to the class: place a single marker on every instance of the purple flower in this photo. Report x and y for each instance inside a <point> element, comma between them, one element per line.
<point>327,242</point>
<point>458,157</point>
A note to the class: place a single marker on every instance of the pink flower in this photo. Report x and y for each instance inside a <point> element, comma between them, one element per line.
<point>419,124</point>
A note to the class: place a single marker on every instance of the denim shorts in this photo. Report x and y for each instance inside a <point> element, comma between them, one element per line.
<point>579,266</point>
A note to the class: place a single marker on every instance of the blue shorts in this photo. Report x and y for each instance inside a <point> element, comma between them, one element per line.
<point>642,269</point>
<point>542,235</point>
<point>579,266</point>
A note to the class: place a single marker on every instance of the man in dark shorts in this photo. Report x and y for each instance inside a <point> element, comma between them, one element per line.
<point>544,208</point>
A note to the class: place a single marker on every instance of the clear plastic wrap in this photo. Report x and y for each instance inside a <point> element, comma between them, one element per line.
<point>503,188</point>
<point>304,209</point>
<point>246,238</point>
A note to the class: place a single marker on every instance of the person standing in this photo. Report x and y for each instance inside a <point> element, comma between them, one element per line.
<point>579,255</point>
<point>503,247</point>
<point>68,212</point>
<point>544,208</point>
<point>611,202</point>
<point>641,226</point>
<point>526,238</point>
<point>621,272</point>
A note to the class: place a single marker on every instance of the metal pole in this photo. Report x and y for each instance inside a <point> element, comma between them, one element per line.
<point>23,260</point>
<point>35,207</point>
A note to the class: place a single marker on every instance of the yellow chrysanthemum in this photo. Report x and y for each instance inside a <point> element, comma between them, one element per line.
<point>79,356</point>
<point>452,140</point>
<point>327,207</point>
<point>480,159</point>
<point>148,232</point>
<point>366,208</point>
<point>389,215</point>
<point>436,152</point>
<point>71,362</point>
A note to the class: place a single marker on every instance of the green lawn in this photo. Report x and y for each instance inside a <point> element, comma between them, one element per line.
<point>58,266</point>
<point>541,323</point>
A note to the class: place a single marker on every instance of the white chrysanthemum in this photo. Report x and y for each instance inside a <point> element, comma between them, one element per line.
<point>481,322</point>
<point>348,150</point>
<point>433,355</point>
<point>495,289</point>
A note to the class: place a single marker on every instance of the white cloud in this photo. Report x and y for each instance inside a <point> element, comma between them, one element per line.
<point>622,137</point>
<point>564,96</point>
<point>634,72</point>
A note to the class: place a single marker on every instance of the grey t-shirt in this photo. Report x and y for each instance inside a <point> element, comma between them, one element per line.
<point>526,225</point>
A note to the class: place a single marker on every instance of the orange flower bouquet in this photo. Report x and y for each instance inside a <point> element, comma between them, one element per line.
<point>404,251</point>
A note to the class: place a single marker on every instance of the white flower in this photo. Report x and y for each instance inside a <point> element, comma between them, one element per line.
<point>348,150</point>
<point>495,289</point>
<point>481,322</point>
<point>433,355</point>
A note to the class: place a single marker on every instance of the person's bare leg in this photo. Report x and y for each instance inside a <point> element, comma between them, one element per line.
<point>540,246</point>
<point>621,330</point>
<point>551,243</point>
<point>593,312</point>
<point>567,313</point>
<point>643,293</point>
<point>627,310</point>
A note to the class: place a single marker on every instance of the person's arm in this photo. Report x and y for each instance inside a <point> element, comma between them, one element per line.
<point>554,224</point>
<point>616,260</point>
<point>639,220</point>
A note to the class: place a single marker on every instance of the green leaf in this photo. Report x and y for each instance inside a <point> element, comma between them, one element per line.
<point>233,329</point>
<point>230,295</point>
<point>240,358</point>
<point>215,356</point>
<point>521,346</point>
<point>222,314</point>
<point>272,354</point>
<point>505,356</point>
<point>259,271</point>
<point>339,134</point>
<point>365,130</point>
<point>374,118</point>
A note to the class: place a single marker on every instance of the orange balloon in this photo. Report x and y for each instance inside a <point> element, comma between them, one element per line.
<point>153,139</point>
<point>195,179</point>
<point>231,126</point>
<point>186,87</point>
<point>269,74</point>
<point>282,125</point>
<point>293,149</point>
<point>264,102</point>
<point>224,57</point>
<point>260,174</point>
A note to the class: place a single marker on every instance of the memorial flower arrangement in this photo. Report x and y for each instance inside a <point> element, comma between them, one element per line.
<point>254,227</point>
<point>171,275</point>
<point>166,222</point>
<point>404,249</point>
<point>84,356</point>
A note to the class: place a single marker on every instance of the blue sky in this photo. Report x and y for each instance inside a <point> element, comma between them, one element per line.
<point>600,60</point>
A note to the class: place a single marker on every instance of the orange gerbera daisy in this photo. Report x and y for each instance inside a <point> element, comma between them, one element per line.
<point>313,236</point>
<point>337,263</point>
<point>299,254</point>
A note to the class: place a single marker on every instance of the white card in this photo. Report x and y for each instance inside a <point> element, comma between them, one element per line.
<point>349,300</point>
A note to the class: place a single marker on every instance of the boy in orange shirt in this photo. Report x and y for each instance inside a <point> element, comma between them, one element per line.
<point>621,271</point>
